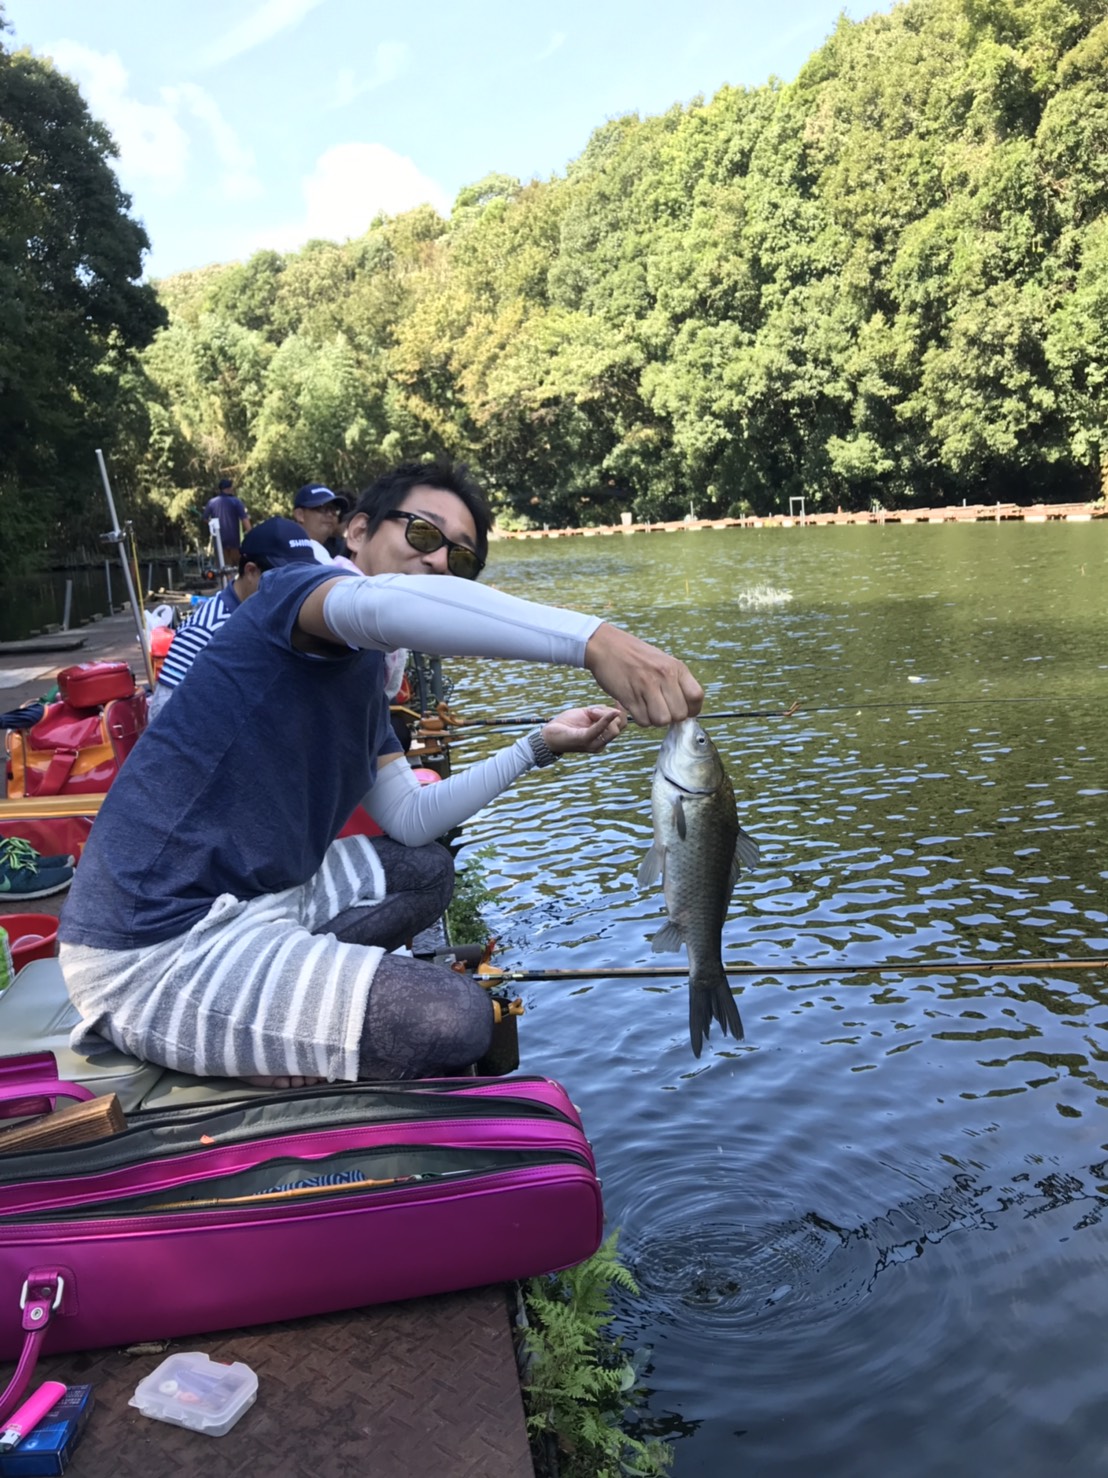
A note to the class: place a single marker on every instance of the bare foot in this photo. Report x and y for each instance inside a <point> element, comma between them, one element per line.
<point>283,1082</point>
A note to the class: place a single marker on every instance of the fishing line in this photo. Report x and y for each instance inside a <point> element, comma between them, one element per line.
<point>680,972</point>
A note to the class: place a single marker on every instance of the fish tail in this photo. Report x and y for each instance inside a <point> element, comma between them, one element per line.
<point>710,999</point>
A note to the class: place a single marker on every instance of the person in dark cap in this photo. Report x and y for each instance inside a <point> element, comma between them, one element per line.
<point>232,515</point>
<point>319,512</point>
<point>268,545</point>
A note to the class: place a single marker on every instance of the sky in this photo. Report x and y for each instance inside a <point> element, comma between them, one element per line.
<point>244,124</point>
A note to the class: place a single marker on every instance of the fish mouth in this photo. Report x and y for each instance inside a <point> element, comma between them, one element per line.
<point>687,789</point>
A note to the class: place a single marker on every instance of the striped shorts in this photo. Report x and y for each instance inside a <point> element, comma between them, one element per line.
<point>247,990</point>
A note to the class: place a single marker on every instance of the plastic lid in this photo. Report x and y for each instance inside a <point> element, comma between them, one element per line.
<point>188,1389</point>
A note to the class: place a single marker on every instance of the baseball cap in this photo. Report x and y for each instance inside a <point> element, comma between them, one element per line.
<point>278,541</point>
<point>225,483</point>
<point>317,495</point>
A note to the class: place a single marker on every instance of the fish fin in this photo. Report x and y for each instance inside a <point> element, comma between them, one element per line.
<point>746,850</point>
<point>668,940</point>
<point>708,1003</point>
<point>679,819</point>
<point>650,868</point>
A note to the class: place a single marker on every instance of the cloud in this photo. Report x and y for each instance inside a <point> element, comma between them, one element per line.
<point>390,61</point>
<point>239,180</point>
<point>350,185</point>
<point>269,20</point>
<point>557,40</point>
<point>153,147</point>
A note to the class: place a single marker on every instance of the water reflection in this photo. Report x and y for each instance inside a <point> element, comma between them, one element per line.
<point>871,1238</point>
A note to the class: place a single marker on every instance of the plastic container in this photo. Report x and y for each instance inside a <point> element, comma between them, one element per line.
<point>188,1389</point>
<point>32,936</point>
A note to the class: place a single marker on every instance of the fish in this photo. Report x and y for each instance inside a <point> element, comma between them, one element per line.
<point>698,850</point>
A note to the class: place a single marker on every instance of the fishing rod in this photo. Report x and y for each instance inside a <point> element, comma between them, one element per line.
<point>523,723</point>
<point>486,971</point>
<point>117,537</point>
<point>791,711</point>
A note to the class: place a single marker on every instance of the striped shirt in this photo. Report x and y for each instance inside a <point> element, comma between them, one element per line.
<point>191,638</point>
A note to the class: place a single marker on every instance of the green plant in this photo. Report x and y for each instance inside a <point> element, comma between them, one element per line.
<point>578,1382</point>
<point>464,923</point>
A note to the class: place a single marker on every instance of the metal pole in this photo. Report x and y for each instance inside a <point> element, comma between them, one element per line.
<point>108,581</point>
<point>217,539</point>
<point>419,665</point>
<point>68,605</point>
<point>117,537</point>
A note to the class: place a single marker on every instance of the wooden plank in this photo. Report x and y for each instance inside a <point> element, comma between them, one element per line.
<point>76,1123</point>
<point>65,641</point>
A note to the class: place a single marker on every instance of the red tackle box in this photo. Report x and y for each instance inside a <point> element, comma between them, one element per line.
<point>90,684</point>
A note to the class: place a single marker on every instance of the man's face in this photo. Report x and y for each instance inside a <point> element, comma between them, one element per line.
<point>387,552</point>
<point>319,524</point>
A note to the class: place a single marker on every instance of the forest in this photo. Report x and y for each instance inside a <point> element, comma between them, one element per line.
<point>885,281</point>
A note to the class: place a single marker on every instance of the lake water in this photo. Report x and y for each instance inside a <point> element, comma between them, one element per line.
<point>871,1239</point>
<point>28,603</point>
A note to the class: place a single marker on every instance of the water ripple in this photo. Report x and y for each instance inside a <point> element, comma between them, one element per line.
<point>871,1238</point>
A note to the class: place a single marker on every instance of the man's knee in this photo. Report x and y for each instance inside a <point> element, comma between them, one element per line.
<point>446,872</point>
<point>436,867</point>
<point>422,1017</point>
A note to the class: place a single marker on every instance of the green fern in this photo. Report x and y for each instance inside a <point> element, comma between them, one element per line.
<point>580,1383</point>
<point>464,922</point>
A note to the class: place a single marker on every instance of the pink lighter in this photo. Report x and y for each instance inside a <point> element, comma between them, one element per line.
<point>28,1416</point>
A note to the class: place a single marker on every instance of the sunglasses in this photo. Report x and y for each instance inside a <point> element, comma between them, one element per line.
<point>425,536</point>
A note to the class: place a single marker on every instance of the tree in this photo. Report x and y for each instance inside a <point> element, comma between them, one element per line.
<point>72,307</point>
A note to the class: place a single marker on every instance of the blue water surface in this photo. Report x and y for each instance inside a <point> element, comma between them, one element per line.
<point>870,1238</point>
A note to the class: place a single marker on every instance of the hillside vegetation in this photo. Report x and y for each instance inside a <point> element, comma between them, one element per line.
<point>885,280</point>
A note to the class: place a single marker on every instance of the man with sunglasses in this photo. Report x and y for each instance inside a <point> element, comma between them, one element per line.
<point>214,923</point>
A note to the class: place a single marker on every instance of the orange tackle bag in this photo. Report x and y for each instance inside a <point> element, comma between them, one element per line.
<point>74,751</point>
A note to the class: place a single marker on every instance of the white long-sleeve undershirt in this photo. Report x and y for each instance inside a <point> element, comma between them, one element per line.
<point>448,617</point>
<point>415,814</point>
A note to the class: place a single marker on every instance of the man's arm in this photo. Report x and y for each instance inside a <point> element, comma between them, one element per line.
<point>458,618</point>
<point>415,814</point>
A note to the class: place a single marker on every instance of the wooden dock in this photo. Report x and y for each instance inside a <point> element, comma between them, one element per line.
<point>951,513</point>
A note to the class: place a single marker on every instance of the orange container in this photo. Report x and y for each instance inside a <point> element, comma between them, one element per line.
<point>32,936</point>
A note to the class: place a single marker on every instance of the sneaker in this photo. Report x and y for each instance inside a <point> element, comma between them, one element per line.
<point>22,874</point>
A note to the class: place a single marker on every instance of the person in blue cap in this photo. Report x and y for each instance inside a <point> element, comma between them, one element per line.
<point>267,546</point>
<point>319,512</point>
<point>232,515</point>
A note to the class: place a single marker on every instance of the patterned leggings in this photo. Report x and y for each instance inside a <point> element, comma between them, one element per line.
<point>421,1019</point>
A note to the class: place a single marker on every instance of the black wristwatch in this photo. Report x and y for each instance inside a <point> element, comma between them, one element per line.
<point>542,751</point>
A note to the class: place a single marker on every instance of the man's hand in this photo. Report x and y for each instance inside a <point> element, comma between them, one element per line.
<point>654,688</point>
<point>583,730</point>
